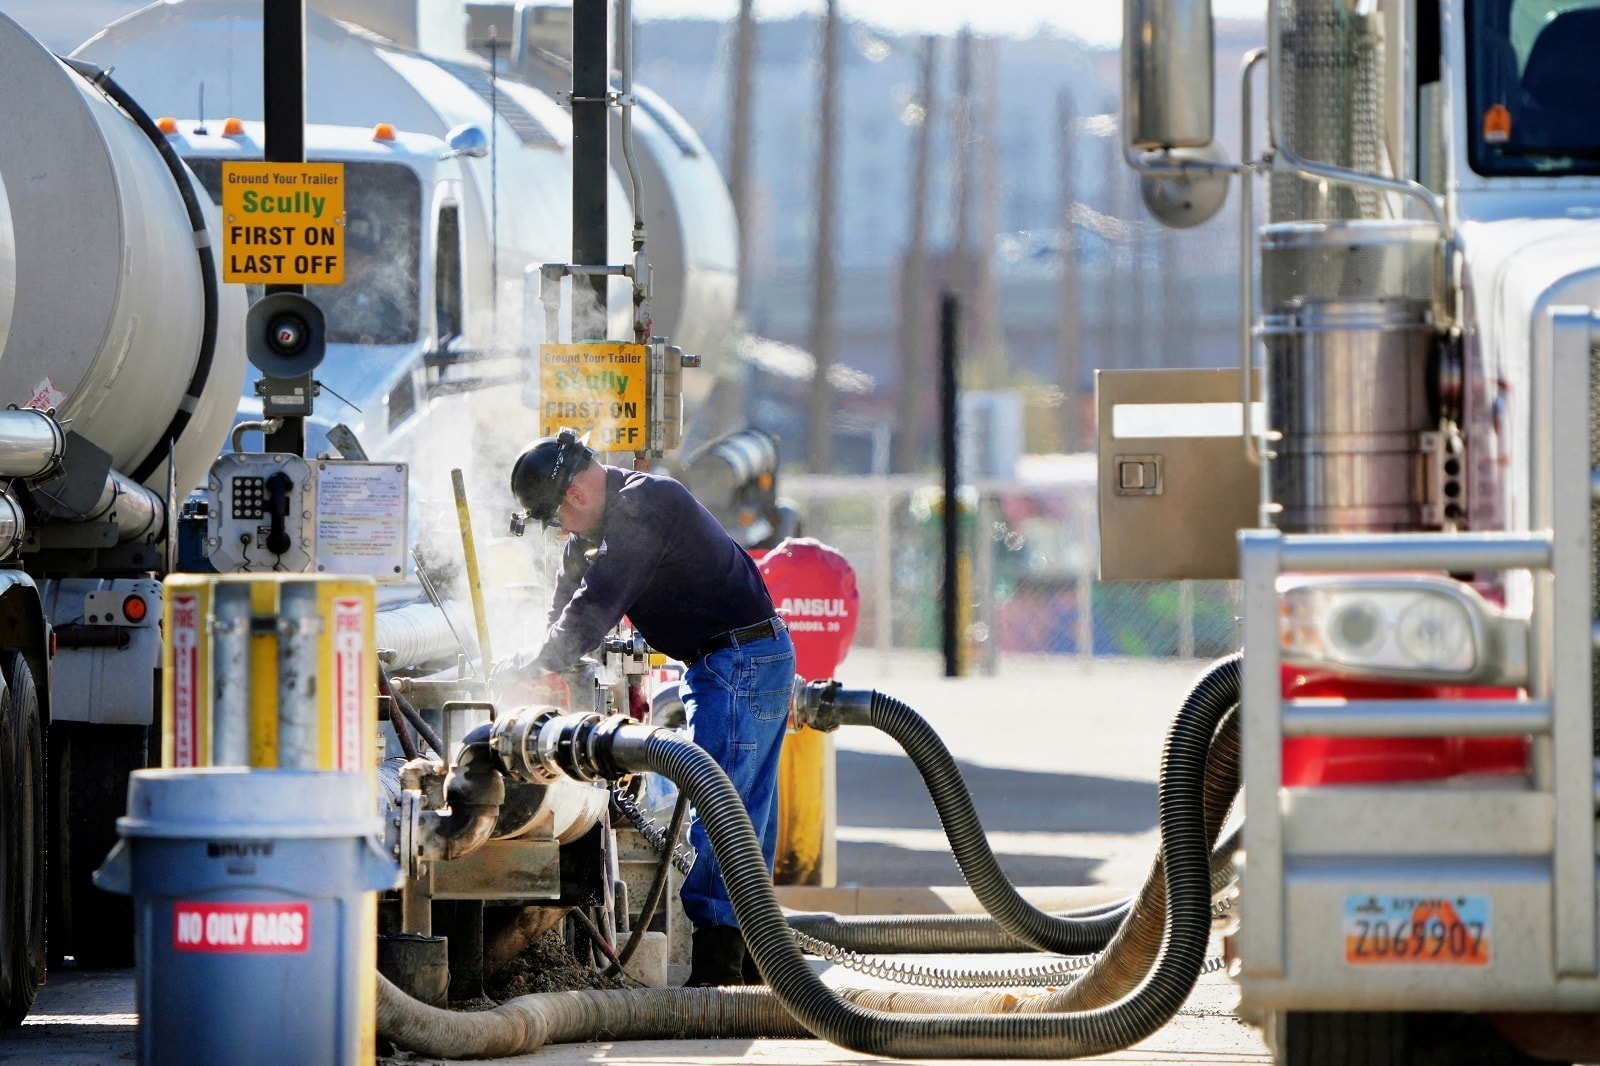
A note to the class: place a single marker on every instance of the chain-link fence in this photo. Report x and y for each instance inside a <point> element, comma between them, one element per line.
<point>1027,565</point>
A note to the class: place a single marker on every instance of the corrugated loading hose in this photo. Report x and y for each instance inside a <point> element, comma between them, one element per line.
<point>524,1024</point>
<point>1071,933</point>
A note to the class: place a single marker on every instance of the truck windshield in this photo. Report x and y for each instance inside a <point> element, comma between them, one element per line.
<point>1533,83</point>
<point>377,304</point>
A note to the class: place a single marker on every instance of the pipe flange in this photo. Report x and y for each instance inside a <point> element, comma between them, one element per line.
<point>409,848</point>
<point>560,738</point>
<point>515,741</point>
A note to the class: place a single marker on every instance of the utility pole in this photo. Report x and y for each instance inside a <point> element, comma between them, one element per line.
<point>1069,322</point>
<point>914,304</point>
<point>591,161</point>
<point>950,463</point>
<point>739,150</point>
<point>989,338</point>
<point>819,421</point>
<point>961,166</point>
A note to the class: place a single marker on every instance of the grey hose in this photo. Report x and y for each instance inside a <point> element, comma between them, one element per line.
<point>527,1023</point>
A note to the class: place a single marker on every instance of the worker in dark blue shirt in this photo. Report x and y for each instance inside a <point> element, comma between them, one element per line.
<point>640,545</point>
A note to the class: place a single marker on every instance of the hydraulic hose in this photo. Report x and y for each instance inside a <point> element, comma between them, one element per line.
<point>658,886</point>
<point>413,716</point>
<point>623,748</point>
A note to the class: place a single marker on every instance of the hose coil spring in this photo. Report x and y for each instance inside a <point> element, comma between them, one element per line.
<point>683,855</point>
<point>909,973</point>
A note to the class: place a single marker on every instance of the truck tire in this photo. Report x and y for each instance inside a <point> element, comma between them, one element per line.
<point>90,764</point>
<point>10,848</point>
<point>1376,1038</point>
<point>26,944</point>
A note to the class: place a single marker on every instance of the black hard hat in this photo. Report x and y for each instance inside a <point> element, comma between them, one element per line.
<point>541,474</point>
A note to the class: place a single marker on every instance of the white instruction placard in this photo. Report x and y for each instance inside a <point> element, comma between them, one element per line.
<point>361,519</point>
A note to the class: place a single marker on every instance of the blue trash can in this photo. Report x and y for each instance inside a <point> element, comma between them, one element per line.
<point>255,919</point>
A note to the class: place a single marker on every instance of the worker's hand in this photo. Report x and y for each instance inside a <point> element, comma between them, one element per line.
<point>522,684</point>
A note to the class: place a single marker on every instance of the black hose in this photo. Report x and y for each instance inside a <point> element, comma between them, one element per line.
<point>397,721</point>
<point>971,934</point>
<point>1062,934</point>
<point>658,887</point>
<point>414,716</point>
<point>202,241</point>
<point>1185,861</point>
<point>962,934</point>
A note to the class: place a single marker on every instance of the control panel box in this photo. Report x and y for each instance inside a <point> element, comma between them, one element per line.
<point>275,512</point>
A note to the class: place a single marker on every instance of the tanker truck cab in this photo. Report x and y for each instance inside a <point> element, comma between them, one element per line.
<point>1402,486</point>
<point>398,332</point>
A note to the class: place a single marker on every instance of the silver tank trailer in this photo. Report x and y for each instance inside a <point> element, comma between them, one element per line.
<point>99,274</point>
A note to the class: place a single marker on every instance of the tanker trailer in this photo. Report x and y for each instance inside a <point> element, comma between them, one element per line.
<point>455,378</point>
<point>686,208</point>
<point>121,360</point>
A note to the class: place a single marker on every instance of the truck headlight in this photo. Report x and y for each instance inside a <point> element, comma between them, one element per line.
<point>1415,627</point>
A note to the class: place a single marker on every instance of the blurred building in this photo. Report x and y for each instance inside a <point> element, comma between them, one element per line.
<point>1147,297</point>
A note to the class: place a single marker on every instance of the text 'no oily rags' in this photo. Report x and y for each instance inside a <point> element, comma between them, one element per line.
<point>283,223</point>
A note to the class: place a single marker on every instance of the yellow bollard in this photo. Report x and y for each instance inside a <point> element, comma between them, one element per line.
<point>224,682</point>
<point>808,811</point>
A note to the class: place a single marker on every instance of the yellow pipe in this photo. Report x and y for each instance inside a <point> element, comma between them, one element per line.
<point>479,615</point>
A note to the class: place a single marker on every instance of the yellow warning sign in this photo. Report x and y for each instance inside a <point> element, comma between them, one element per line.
<point>283,223</point>
<point>596,388</point>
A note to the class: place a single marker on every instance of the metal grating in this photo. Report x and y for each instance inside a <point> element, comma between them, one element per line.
<point>528,129</point>
<point>1332,92</point>
<point>669,125</point>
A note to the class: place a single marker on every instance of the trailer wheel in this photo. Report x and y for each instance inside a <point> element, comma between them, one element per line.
<point>1376,1038</point>
<point>26,945</point>
<point>90,764</point>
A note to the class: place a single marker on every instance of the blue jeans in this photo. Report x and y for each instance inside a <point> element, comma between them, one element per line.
<point>737,703</point>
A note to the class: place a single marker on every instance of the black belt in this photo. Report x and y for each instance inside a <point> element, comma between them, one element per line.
<point>760,631</point>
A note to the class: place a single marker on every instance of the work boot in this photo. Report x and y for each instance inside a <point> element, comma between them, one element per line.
<point>752,972</point>
<point>718,957</point>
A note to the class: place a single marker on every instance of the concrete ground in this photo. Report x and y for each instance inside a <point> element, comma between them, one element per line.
<point>1061,759</point>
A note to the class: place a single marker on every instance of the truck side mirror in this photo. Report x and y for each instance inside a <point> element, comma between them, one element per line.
<point>1167,74</point>
<point>284,335</point>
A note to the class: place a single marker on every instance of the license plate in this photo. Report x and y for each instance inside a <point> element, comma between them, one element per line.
<point>1417,930</point>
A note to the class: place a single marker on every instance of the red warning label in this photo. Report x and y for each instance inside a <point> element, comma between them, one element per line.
<point>257,928</point>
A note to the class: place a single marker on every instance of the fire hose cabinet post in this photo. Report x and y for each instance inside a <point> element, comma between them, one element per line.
<point>255,914</point>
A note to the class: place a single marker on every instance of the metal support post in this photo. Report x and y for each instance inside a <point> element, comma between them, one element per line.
<point>230,674</point>
<point>591,86</point>
<point>283,92</point>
